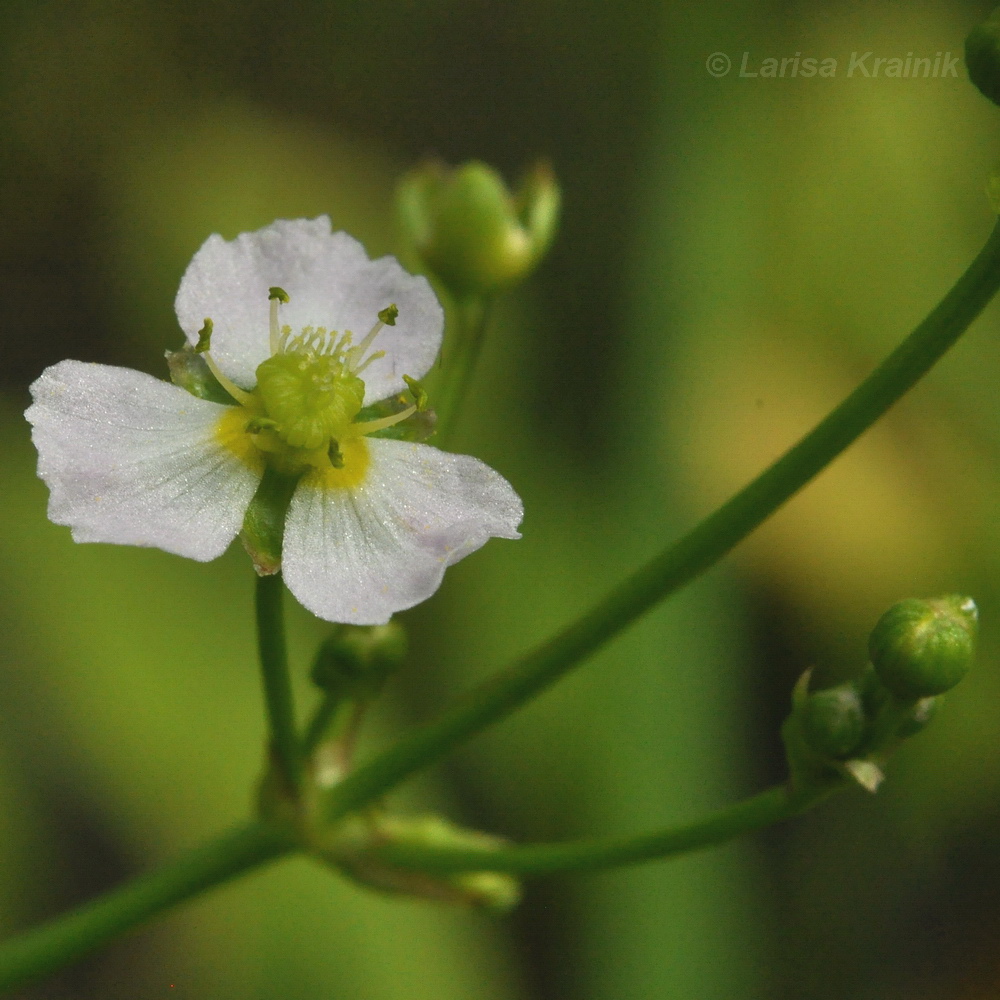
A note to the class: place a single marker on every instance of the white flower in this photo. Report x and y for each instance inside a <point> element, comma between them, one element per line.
<point>373,523</point>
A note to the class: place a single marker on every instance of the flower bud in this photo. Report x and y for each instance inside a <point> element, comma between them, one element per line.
<point>833,721</point>
<point>362,848</point>
<point>921,648</point>
<point>470,232</point>
<point>917,718</point>
<point>982,56</point>
<point>355,661</point>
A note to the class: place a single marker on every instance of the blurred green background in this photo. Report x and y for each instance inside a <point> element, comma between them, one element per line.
<point>735,254</point>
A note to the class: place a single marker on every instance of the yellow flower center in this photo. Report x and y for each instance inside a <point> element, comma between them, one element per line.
<point>301,416</point>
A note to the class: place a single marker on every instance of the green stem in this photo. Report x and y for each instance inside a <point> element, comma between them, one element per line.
<point>284,742</point>
<point>695,552</point>
<point>51,946</point>
<point>762,810</point>
<point>471,317</point>
<point>320,722</point>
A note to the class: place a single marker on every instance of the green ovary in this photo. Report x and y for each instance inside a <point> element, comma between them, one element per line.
<point>311,398</point>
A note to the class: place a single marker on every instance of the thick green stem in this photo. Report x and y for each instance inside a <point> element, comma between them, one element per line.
<point>701,548</point>
<point>769,807</point>
<point>53,945</point>
<point>284,742</point>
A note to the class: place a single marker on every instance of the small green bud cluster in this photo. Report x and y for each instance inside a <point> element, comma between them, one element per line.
<point>470,232</point>
<point>919,649</point>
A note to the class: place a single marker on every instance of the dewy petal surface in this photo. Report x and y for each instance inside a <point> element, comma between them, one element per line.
<point>359,554</point>
<point>136,461</point>
<point>331,283</point>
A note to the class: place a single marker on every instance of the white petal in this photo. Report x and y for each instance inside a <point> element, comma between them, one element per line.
<point>330,282</point>
<point>358,555</point>
<point>136,461</point>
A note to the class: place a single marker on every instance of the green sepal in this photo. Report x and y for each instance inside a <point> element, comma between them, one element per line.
<point>863,772</point>
<point>189,371</point>
<point>418,427</point>
<point>264,523</point>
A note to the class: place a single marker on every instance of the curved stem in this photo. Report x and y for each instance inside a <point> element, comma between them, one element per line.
<point>284,742</point>
<point>53,945</point>
<point>695,552</point>
<point>762,810</point>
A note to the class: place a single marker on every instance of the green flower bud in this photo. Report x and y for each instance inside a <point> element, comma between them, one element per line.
<point>358,845</point>
<point>982,56</point>
<point>917,718</point>
<point>833,721</point>
<point>470,232</point>
<point>355,661</point>
<point>921,648</point>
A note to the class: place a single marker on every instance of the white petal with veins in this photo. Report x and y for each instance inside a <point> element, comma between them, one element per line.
<point>360,554</point>
<point>135,461</point>
<point>330,282</point>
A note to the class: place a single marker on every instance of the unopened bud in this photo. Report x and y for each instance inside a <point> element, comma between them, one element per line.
<point>921,648</point>
<point>833,721</point>
<point>355,661</point>
<point>362,849</point>
<point>470,232</point>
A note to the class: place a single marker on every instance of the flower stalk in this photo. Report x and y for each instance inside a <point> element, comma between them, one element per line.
<point>592,854</point>
<point>283,744</point>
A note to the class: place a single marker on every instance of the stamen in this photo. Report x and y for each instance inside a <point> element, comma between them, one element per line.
<point>241,397</point>
<point>354,355</point>
<point>276,295</point>
<point>202,348</point>
<point>371,357</point>
<point>370,426</point>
